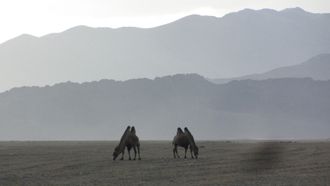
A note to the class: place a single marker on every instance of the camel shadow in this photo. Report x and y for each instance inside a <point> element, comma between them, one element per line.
<point>265,157</point>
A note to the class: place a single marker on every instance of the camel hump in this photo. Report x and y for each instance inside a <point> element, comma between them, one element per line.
<point>190,136</point>
<point>179,131</point>
<point>125,134</point>
<point>133,130</point>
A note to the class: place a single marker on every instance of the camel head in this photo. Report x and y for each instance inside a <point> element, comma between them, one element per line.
<point>195,150</point>
<point>116,153</point>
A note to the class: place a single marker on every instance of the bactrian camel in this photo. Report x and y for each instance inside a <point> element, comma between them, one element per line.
<point>129,140</point>
<point>185,140</point>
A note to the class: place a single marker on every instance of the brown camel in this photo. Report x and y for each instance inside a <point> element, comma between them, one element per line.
<point>185,140</point>
<point>129,140</point>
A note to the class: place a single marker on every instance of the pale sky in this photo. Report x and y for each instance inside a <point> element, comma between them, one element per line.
<point>40,17</point>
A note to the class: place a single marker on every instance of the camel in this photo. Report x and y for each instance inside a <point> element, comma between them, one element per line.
<point>129,140</point>
<point>185,140</point>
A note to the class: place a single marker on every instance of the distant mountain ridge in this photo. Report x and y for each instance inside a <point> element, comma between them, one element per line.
<point>289,108</point>
<point>243,42</point>
<point>318,68</point>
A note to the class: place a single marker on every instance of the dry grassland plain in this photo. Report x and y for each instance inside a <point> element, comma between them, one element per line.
<point>219,163</point>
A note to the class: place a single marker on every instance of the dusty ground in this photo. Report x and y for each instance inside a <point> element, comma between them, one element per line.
<point>220,163</point>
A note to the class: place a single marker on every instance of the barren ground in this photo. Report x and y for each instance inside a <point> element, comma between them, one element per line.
<point>220,163</point>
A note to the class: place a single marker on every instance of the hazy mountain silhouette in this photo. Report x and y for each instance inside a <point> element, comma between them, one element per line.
<point>281,108</point>
<point>318,68</point>
<point>244,42</point>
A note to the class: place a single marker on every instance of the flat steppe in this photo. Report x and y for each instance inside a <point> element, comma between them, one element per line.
<point>220,163</point>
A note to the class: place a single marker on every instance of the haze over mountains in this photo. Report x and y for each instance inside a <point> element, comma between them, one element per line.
<point>279,108</point>
<point>290,100</point>
<point>240,43</point>
<point>318,68</point>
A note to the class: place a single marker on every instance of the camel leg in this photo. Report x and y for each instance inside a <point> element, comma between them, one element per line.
<point>174,156</point>
<point>122,156</point>
<point>185,152</point>
<point>138,148</point>
<point>129,153</point>
<point>176,151</point>
<point>134,148</point>
<point>191,153</point>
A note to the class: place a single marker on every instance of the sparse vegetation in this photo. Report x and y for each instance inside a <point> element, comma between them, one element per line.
<point>219,163</point>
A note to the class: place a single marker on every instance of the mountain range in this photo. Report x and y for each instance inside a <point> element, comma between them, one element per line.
<point>285,96</point>
<point>288,108</point>
<point>318,68</point>
<point>239,43</point>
